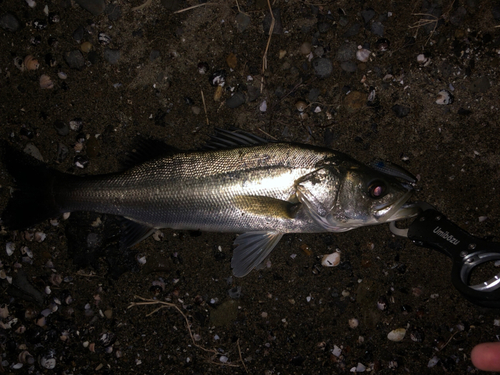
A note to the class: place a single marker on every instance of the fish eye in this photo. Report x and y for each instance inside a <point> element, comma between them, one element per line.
<point>377,189</point>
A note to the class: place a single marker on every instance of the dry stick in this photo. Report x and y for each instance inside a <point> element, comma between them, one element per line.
<point>241,358</point>
<point>146,4</point>
<point>147,301</point>
<point>193,7</point>
<point>264,57</point>
<point>204,107</point>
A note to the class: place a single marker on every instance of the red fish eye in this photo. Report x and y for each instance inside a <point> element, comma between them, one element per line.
<point>376,190</point>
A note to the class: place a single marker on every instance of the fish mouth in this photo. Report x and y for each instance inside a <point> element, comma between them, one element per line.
<point>400,209</point>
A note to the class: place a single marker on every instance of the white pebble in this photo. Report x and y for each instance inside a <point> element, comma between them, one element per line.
<point>353,323</point>
<point>336,351</point>
<point>223,359</point>
<point>433,362</point>
<point>397,335</point>
<point>331,260</point>
<point>263,106</point>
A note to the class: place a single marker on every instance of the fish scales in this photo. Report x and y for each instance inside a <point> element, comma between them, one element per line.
<point>197,190</point>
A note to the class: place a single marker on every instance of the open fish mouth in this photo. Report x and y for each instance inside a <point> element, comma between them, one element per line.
<point>401,209</point>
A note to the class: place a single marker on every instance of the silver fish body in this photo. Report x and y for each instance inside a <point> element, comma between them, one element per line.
<point>260,190</point>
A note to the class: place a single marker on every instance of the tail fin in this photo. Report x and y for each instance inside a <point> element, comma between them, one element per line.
<point>33,200</point>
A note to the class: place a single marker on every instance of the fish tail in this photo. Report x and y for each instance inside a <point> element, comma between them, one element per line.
<point>33,200</point>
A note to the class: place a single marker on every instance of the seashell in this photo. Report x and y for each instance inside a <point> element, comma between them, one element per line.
<point>382,45</point>
<point>48,360</point>
<point>218,78</point>
<point>203,67</point>
<point>397,335</point>
<point>19,63</point>
<point>40,236</point>
<point>46,82</point>
<point>423,59</point>
<point>9,248</point>
<point>26,357</point>
<point>30,63</point>
<point>104,39</point>
<point>300,105</point>
<point>55,279</point>
<point>363,54</point>
<point>444,97</point>
<point>331,260</point>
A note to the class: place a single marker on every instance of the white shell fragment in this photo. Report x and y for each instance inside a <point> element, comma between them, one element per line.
<point>397,335</point>
<point>336,351</point>
<point>9,248</point>
<point>444,97</point>
<point>363,54</point>
<point>331,260</point>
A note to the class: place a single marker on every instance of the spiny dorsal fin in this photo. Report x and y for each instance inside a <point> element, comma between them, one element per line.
<point>224,139</point>
<point>147,149</point>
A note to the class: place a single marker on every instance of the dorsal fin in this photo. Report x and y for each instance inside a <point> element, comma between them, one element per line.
<point>223,139</point>
<point>147,149</point>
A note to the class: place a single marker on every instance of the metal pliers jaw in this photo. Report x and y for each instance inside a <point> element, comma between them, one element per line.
<point>432,229</point>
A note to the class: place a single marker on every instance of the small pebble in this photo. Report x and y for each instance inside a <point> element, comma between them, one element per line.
<point>236,100</point>
<point>112,55</point>
<point>348,66</point>
<point>235,292</point>
<point>9,22</point>
<point>377,28</point>
<point>74,59</point>
<point>397,335</point>
<point>367,14</point>
<point>242,22</point>
<point>400,110</point>
<point>323,67</point>
<point>352,31</point>
<point>32,150</point>
<point>346,52</point>
<point>305,48</point>
<point>353,323</point>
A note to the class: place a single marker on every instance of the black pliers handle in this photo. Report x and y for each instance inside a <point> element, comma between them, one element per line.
<point>433,230</point>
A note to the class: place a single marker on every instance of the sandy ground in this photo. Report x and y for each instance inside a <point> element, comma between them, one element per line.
<point>67,300</point>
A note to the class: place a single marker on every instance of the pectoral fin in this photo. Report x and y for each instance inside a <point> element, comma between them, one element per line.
<point>266,206</point>
<point>251,250</point>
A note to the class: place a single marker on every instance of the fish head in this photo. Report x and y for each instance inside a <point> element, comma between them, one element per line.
<point>367,196</point>
<point>350,195</point>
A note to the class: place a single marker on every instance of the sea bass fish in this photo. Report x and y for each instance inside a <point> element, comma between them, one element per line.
<point>240,183</point>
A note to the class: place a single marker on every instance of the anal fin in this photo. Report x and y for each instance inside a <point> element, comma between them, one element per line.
<point>251,250</point>
<point>134,232</point>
